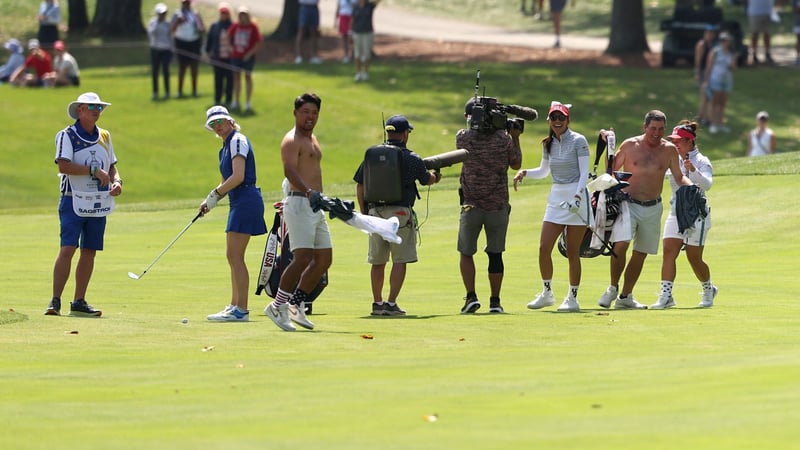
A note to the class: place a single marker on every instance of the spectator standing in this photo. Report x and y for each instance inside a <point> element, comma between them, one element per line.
<point>759,14</point>
<point>484,204</point>
<point>65,68</point>
<point>701,51</point>
<point>219,50</point>
<point>15,60</point>
<point>39,61</point>
<point>363,36</point>
<point>90,181</point>
<point>761,140</point>
<point>796,29</point>
<point>647,157</point>
<point>343,19</point>
<point>49,18</point>
<point>556,8</point>
<point>413,170</point>
<point>246,39</point>
<point>237,165</point>
<point>160,33</point>
<point>307,28</point>
<point>310,240</point>
<point>719,80</point>
<point>187,29</point>
<point>566,157</point>
<point>697,168</point>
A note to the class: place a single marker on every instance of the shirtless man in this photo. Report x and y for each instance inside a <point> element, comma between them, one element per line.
<point>647,157</point>
<point>309,235</point>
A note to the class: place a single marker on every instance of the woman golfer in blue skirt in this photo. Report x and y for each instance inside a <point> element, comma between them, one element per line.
<point>237,165</point>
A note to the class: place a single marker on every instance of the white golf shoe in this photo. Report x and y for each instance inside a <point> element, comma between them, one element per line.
<point>628,303</point>
<point>230,314</point>
<point>542,300</point>
<point>707,300</point>
<point>608,296</point>
<point>569,304</point>
<point>664,302</point>
<point>297,313</point>
<point>280,315</point>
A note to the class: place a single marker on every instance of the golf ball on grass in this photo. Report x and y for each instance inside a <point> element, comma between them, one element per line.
<point>184,320</point>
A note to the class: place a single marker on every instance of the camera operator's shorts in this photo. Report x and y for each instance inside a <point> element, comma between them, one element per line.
<point>645,227</point>
<point>307,229</point>
<point>695,236</point>
<point>472,220</point>
<point>379,248</point>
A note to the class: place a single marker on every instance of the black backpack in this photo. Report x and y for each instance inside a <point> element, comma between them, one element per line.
<point>384,168</point>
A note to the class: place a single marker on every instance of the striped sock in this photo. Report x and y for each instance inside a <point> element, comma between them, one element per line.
<point>282,297</point>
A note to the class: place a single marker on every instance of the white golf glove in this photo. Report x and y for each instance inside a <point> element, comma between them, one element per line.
<point>573,206</point>
<point>212,199</point>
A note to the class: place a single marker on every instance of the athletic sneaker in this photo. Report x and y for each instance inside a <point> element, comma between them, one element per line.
<point>377,309</point>
<point>494,305</point>
<point>628,303</point>
<point>79,308</point>
<point>471,304</point>
<point>664,302</point>
<point>395,310</point>
<point>608,296</point>
<point>569,304</point>
<point>542,299</point>
<point>280,315</point>
<point>297,313</point>
<point>315,60</point>
<point>298,60</point>
<point>708,298</point>
<point>230,314</point>
<point>54,308</point>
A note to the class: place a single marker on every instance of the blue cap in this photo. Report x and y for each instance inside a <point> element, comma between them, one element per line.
<point>712,27</point>
<point>398,124</point>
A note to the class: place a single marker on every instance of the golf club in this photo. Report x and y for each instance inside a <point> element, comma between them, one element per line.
<point>136,277</point>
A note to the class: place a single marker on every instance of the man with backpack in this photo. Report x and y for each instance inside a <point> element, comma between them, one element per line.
<point>386,188</point>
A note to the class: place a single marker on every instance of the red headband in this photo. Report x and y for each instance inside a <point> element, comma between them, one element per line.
<point>681,132</point>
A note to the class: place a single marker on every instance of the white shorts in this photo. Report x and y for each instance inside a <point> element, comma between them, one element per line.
<point>695,236</point>
<point>307,229</point>
<point>554,213</point>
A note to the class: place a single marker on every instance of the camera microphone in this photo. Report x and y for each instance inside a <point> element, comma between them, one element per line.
<point>522,112</point>
<point>446,159</point>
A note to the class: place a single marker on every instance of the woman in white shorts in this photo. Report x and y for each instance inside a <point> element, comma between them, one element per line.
<point>566,157</point>
<point>697,168</point>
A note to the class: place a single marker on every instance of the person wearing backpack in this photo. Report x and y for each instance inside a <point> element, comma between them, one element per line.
<point>411,168</point>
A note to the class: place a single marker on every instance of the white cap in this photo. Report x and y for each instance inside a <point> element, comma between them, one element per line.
<point>161,8</point>
<point>762,115</point>
<point>33,43</point>
<point>217,112</point>
<point>87,98</point>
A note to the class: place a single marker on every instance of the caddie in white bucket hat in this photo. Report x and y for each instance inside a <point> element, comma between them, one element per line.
<point>87,98</point>
<point>219,112</point>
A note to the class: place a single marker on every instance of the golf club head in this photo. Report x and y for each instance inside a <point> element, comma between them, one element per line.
<point>133,276</point>
<point>622,176</point>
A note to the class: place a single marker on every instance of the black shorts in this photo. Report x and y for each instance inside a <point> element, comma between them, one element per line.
<point>188,51</point>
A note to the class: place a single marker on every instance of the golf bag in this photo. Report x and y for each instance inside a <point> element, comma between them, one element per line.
<point>274,263</point>
<point>613,197</point>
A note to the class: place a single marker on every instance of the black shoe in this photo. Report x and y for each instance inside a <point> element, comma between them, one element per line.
<point>395,310</point>
<point>79,308</point>
<point>494,305</point>
<point>471,304</point>
<point>54,308</point>
<point>769,59</point>
<point>308,309</point>
<point>378,309</point>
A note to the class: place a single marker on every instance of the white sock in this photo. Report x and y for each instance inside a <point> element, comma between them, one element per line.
<point>666,288</point>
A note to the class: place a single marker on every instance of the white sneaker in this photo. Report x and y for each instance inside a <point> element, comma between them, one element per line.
<point>664,302</point>
<point>358,76</point>
<point>298,60</point>
<point>608,296</point>
<point>315,60</point>
<point>713,129</point>
<point>298,315</point>
<point>345,60</point>
<point>628,303</point>
<point>570,304</point>
<point>708,298</point>
<point>230,314</point>
<point>543,299</point>
<point>364,76</point>
<point>234,106</point>
<point>280,315</point>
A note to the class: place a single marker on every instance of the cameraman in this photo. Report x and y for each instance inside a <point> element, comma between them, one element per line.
<point>397,131</point>
<point>484,203</point>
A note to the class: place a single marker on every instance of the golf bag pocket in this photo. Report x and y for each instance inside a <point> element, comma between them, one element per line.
<point>92,204</point>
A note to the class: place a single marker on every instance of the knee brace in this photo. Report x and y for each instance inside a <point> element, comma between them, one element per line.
<point>495,262</point>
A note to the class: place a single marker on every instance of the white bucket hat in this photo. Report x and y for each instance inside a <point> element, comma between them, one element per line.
<point>217,112</point>
<point>87,98</point>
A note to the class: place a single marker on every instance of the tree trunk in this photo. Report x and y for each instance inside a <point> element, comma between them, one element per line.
<point>78,17</point>
<point>287,28</point>
<point>627,28</point>
<point>118,18</point>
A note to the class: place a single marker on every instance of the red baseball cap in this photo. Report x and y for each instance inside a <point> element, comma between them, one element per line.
<point>560,107</point>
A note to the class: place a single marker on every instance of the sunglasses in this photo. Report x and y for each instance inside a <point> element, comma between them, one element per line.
<point>95,107</point>
<point>559,117</point>
<point>214,123</point>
